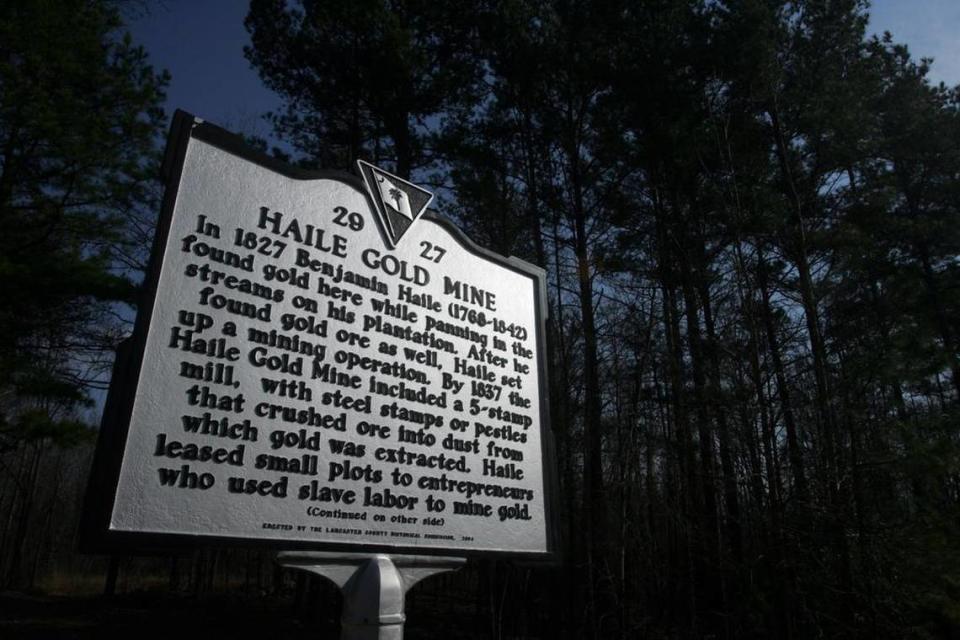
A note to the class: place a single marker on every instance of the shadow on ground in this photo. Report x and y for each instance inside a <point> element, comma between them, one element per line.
<point>148,615</point>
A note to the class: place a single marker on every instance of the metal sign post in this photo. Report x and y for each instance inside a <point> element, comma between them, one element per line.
<point>374,586</point>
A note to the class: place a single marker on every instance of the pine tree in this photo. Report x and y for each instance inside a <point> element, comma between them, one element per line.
<point>361,79</point>
<point>79,125</point>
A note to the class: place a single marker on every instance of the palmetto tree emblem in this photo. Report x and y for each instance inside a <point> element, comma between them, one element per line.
<point>396,194</point>
<point>397,201</point>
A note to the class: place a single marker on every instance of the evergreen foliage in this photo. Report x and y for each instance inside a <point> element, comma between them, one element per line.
<point>748,214</point>
<point>79,126</point>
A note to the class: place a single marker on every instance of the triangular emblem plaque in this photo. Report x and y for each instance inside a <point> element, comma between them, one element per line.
<point>399,203</point>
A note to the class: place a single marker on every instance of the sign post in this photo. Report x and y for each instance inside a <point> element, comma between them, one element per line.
<point>322,364</point>
<point>374,587</point>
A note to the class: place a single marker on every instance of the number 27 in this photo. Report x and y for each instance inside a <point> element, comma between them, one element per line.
<point>432,251</point>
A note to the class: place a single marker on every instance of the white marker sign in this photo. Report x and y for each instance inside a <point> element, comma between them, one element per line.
<point>300,380</point>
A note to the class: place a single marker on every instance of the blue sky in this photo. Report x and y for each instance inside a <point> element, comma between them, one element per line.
<point>201,44</point>
<point>931,28</point>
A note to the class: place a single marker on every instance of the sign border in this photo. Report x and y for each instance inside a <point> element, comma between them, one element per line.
<point>95,535</point>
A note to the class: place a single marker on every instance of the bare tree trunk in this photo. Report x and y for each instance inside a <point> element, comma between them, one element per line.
<point>684,570</point>
<point>731,498</point>
<point>829,436</point>
<point>794,452</point>
<point>594,498</point>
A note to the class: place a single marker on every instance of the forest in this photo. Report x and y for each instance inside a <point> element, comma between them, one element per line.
<point>749,213</point>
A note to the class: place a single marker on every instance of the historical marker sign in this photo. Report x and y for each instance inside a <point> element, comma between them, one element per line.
<point>323,364</point>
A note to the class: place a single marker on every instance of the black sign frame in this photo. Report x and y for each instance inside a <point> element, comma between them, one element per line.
<point>95,534</point>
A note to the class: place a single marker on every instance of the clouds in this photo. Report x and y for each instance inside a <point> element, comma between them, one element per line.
<point>930,28</point>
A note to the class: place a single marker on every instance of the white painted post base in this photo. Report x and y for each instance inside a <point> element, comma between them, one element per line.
<point>373,586</point>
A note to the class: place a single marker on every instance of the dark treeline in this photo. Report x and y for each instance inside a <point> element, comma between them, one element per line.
<point>748,211</point>
<point>79,125</point>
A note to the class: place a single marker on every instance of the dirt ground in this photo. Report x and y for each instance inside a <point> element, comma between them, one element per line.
<point>148,615</point>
